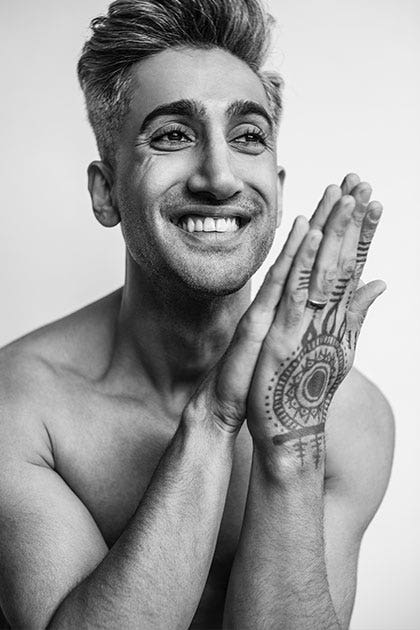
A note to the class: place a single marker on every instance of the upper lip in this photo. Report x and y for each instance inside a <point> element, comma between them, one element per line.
<point>222,212</point>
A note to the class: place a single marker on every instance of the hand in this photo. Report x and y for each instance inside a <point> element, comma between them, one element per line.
<point>222,396</point>
<point>310,345</point>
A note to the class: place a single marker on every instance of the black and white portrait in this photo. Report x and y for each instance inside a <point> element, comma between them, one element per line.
<point>209,337</point>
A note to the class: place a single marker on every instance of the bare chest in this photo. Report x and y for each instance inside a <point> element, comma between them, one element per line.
<point>108,455</point>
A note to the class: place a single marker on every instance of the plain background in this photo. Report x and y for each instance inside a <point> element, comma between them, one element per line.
<point>352,94</point>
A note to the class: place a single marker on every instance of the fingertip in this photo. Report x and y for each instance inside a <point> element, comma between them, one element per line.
<point>382,286</point>
<point>352,176</point>
<point>301,224</point>
<point>375,288</point>
<point>349,182</point>
<point>375,209</point>
<point>333,191</point>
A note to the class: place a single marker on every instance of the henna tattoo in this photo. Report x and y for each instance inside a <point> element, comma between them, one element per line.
<point>363,247</point>
<point>302,389</point>
<point>352,339</point>
<point>339,290</point>
<point>361,257</point>
<point>318,447</point>
<point>281,438</point>
<point>304,279</point>
<point>301,395</point>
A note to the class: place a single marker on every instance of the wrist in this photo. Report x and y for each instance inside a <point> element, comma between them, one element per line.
<point>291,462</point>
<point>198,426</point>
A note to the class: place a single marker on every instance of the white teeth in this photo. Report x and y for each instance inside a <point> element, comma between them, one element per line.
<point>222,225</point>
<point>209,224</point>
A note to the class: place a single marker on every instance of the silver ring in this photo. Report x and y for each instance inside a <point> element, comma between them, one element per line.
<point>316,306</point>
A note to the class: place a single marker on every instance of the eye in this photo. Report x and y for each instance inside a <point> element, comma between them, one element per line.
<point>172,138</point>
<point>250,140</point>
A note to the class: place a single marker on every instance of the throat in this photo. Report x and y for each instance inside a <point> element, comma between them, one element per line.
<point>170,342</point>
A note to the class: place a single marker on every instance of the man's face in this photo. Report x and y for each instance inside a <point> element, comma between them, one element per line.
<point>196,177</point>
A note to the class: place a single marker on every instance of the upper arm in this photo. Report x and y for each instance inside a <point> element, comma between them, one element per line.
<point>360,444</point>
<point>49,541</point>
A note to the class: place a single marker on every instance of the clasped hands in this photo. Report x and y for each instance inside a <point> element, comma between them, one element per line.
<point>296,342</point>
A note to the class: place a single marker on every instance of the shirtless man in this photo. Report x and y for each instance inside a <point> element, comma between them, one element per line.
<point>133,493</point>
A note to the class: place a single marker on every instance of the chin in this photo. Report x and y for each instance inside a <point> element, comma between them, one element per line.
<point>216,285</point>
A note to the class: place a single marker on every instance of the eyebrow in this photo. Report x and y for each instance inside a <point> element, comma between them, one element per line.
<point>191,109</point>
<point>244,107</point>
<point>183,107</point>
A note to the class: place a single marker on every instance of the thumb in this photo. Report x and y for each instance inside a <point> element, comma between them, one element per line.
<point>362,301</point>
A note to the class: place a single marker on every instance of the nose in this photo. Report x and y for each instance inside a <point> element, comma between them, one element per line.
<point>213,174</point>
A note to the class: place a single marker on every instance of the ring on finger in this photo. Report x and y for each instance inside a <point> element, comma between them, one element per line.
<point>315,305</point>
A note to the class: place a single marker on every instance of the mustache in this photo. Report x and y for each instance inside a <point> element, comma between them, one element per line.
<point>242,204</point>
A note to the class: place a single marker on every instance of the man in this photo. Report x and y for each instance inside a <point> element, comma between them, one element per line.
<point>133,494</point>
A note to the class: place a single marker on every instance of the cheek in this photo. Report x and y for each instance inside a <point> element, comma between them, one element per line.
<point>260,174</point>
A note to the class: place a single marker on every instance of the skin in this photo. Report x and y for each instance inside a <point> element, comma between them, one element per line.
<point>123,442</point>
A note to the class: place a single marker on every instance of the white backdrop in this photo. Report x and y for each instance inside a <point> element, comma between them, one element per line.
<point>352,95</point>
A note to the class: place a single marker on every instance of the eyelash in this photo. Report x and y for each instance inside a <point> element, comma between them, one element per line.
<point>260,135</point>
<point>169,130</point>
<point>251,131</point>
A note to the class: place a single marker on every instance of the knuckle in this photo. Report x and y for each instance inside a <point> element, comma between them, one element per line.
<point>368,232</point>
<point>228,413</point>
<point>298,297</point>
<point>244,328</point>
<point>250,328</point>
<point>292,319</point>
<point>326,280</point>
<point>348,266</point>
<point>358,216</point>
<point>275,276</point>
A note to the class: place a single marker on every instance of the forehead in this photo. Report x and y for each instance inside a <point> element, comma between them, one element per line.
<point>213,77</point>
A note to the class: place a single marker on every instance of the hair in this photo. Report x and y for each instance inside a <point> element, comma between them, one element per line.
<point>136,29</point>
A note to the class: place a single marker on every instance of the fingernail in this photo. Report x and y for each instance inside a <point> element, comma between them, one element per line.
<point>375,213</point>
<point>364,195</point>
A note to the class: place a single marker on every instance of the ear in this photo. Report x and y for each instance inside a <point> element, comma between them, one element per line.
<point>100,184</point>
<point>281,174</point>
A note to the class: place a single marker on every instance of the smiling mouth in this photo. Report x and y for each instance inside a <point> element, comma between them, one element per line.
<point>195,223</point>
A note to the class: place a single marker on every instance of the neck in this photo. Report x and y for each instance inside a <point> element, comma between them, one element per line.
<point>169,340</point>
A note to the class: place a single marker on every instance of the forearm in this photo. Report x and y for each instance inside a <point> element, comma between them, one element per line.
<point>154,575</point>
<point>279,576</point>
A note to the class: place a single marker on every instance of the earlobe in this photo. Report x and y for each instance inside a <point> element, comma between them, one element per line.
<point>100,183</point>
<point>281,174</point>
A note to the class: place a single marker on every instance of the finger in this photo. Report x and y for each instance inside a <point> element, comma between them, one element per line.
<point>362,301</point>
<point>293,304</point>
<point>367,232</point>
<point>330,197</point>
<point>326,275</point>
<point>271,289</point>
<point>348,252</point>
<point>242,354</point>
<point>349,182</point>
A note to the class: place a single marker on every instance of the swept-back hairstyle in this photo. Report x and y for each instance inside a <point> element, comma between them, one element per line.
<point>136,29</point>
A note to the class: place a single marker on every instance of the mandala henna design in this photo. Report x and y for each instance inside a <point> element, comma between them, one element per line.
<point>302,389</point>
<point>305,387</point>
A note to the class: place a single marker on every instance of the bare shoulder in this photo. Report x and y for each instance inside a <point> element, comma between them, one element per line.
<point>35,369</point>
<point>360,445</point>
<point>82,339</point>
